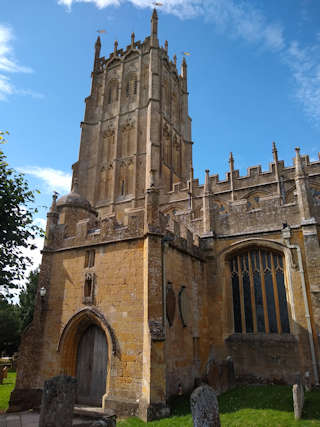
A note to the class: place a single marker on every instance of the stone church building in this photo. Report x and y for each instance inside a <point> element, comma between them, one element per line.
<point>148,275</point>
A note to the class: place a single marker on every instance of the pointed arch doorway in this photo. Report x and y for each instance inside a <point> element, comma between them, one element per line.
<point>91,366</point>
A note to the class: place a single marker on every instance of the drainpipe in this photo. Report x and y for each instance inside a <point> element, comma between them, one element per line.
<point>286,236</point>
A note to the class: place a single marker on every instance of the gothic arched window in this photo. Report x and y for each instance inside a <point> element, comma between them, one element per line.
<point>131,86</point>
<point>258,291</point>
<point>113,92</point>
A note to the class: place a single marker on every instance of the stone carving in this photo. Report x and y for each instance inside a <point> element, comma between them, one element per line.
<point>171,303</point>
<point>128,125</point>
<point>58,400</point>
<point>156,330</point>
<point>109,131</point>
<point>204,407</point>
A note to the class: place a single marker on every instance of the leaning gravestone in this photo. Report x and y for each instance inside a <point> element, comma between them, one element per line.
<point>204,407</point>
<point>58,400</point>
<point>298,400</point>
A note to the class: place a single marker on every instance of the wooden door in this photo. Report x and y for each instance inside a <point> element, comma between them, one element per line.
<point>92,366</point>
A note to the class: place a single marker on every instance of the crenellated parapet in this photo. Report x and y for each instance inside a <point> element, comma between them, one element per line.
<point>258,201</point>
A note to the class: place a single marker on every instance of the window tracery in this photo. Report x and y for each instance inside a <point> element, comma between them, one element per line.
<point>258,291</point>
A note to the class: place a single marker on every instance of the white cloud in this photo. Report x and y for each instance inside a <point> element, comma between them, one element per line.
<point>6,88</point>
<point>54,179</point>
<point>29,92</point>
<point>241,20</point>
<point>304,64</point>
<point>239,17</point>
<point>9,64</point>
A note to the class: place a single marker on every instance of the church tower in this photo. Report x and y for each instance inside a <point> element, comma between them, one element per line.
<point>136,131</point>
<point>152,282</point>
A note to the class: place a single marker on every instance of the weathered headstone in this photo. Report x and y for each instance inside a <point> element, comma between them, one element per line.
<point>204,407</point>
<point>298,400</point>
<point>5,372</point>
<point>213,376</point>
<point>58,400</point>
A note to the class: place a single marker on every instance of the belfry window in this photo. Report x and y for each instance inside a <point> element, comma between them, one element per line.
<point>258,291</point>
<point>113,92</point>
<point>131,86</point>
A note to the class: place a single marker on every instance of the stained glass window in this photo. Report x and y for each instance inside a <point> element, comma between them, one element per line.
<point>258,292</point>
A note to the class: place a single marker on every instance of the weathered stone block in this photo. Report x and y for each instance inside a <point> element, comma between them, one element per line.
<point>58,401</point>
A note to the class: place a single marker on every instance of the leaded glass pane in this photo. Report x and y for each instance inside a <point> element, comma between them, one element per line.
<point>247,302</point>
<point>270,302</point>
<point>284,318</point>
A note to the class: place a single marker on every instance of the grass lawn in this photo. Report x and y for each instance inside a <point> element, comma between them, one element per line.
<point>246,406</point>
<point>5,390</point>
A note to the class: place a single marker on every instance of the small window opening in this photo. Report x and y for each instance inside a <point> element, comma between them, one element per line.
<point>122,187</point>
<point>88,287</point>
<point>89,259</point>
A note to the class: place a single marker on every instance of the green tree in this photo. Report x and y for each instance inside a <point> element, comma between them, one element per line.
<point>27,299</point>
<point>17,230</point>
<point>10,328</point>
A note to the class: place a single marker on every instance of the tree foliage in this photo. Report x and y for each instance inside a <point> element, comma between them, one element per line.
<point>10,327</point>
<point>17,230</point>
<point>27,299</point>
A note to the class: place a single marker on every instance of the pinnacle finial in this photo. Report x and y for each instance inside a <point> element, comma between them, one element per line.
<point>298,163</point>
<point>154,14</point>
<point>184,68</point>
<point>154,29</point>
<point>97,48</point>
<point>115,48</point>
<point>274,151</point>
<point>166,46</point>
<point>54,201</point>
<point>132,39</point>
<point>175,60</point>
<point>231,161</point>
<point>206,180</point>
<point>274,147</point>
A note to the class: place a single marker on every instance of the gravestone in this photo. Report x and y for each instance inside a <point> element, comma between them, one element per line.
<point>213,376</point>
<point>5,372</point>
<point>298,400</point>
<point>204,407</point>
<point>58,400</point>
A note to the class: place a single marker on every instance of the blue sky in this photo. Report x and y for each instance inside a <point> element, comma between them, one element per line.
<point>253,73</point>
